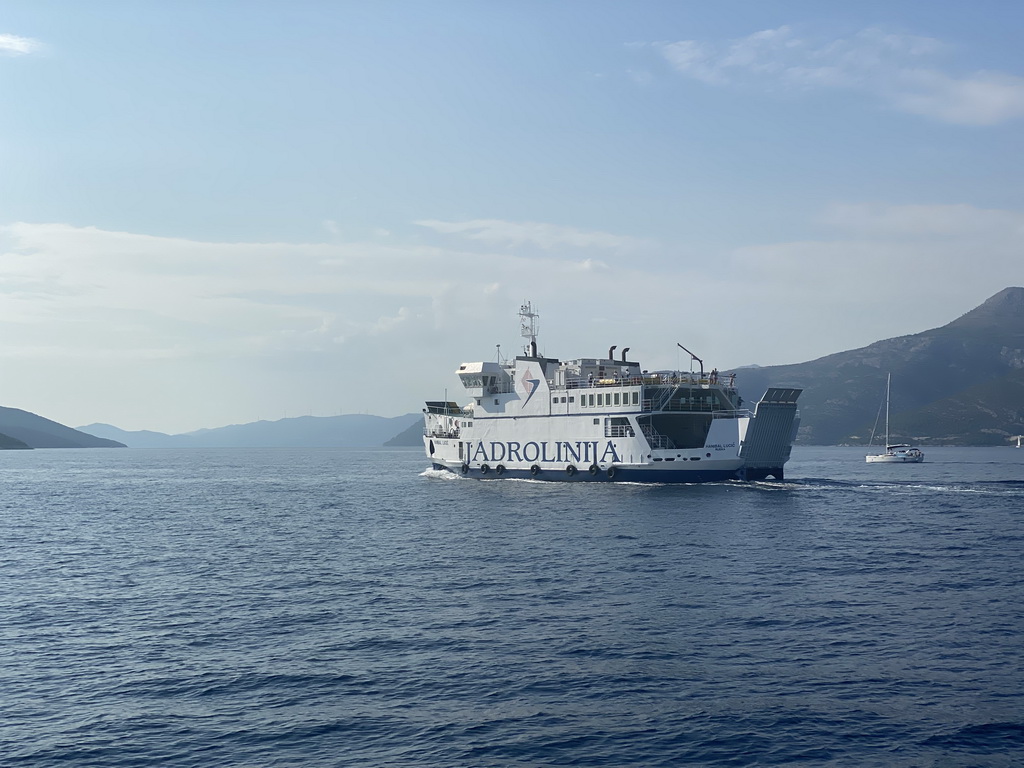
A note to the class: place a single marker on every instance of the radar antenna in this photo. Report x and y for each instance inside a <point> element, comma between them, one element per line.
<point>528,327</point>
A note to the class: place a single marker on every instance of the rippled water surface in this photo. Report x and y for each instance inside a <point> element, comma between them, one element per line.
<point>349,608</point>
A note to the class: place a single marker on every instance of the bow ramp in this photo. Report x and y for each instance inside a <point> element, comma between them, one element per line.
<point>770,435</point>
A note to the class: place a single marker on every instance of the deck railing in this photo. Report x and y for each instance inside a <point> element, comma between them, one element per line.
<point>656,439</point>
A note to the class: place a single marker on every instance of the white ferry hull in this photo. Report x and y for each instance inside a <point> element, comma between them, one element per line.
<point>619,474</point>
<point>573,448</point>
<point>606,420</point>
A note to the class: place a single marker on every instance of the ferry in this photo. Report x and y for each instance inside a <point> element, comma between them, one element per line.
<point>606,420</point>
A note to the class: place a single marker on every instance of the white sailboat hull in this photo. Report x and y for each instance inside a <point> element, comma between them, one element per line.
<point>912,456</point>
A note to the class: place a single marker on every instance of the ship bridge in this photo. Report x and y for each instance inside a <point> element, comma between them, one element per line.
<point>485,378</point>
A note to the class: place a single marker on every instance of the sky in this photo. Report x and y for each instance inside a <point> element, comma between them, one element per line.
<point>219,212</point>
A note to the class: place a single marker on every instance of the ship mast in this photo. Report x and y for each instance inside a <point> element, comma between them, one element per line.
<point>528,327</point>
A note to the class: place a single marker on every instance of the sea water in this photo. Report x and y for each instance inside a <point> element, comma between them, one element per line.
<point>354,608</point>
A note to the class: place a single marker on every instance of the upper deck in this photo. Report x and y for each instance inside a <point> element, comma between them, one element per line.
<point>587,384</point>
<point>532,385</point>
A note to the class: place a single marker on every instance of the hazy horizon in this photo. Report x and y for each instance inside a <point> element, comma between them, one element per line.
<point>217,214</point>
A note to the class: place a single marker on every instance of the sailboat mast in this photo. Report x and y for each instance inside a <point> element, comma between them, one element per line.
<point>888,379</point>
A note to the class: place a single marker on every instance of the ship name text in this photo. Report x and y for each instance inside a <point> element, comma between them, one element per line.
<point>543,451</point>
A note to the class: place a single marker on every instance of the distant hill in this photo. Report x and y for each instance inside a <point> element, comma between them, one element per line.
<point>349,431</point>
<point>8,443</point>
<point>959,384</point>
<point>411,436</point>
<point>27,430</point>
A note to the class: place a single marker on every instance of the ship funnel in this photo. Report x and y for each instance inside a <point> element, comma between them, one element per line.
<point>624,351</point>
<point>611,351</point>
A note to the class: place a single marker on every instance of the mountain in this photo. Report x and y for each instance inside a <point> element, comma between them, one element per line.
<point>28,430</point>
<point>349,431</point>
<point>8,443</point>
<point>139,439</point>
<point>962,383</point>
<point>411,436</point>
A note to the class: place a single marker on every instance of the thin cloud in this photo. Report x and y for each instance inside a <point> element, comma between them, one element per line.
<point>546,236</point>
<point>13,45</point>
<point>1001,231</point>
<point>897,69</point>
<point>919,259</point>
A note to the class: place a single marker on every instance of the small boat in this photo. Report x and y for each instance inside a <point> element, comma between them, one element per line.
<point>898,453</point>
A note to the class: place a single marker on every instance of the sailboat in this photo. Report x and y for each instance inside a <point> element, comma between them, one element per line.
<point>894,454</point>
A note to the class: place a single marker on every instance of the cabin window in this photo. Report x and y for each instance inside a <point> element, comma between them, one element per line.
<point>617,426</point>
<point>590,398</point>
<point>636,398</point>
<point>600,399</point>
<point>616,398</point>
<point>572,399</point>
